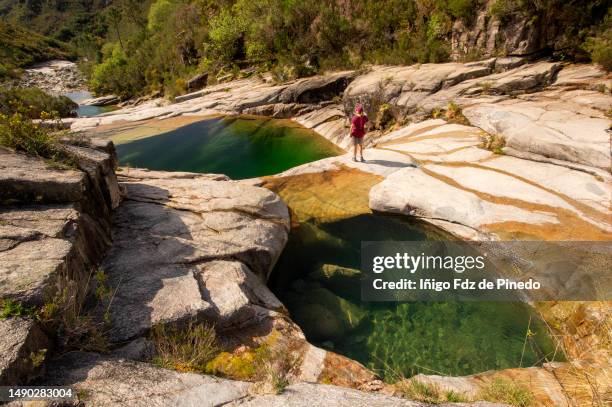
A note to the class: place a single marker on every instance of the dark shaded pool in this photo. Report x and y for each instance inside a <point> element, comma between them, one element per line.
<point>238,146</point>
<point>449,338</point>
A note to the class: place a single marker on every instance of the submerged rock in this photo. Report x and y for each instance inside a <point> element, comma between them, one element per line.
<point>324,315</point>
<point>339,279</point>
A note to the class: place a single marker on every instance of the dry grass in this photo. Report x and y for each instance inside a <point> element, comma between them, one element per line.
<point>75,328</point>
<point>414,389</point>
<point>504,391</point>
<point>452,114</point>
<point>494,143</point>
<point>186,349</point>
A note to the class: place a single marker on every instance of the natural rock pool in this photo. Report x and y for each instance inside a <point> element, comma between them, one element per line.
<point>316,276</point>
<point>238,146</point>
<point>317,279</point>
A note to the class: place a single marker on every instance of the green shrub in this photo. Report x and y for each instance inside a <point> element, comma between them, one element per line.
<point>117,73</point>
<point>21,134</point>
<point>461,8</point>
<point>226,35</point>
<point>600,46</point>
<point>502,9</point>
<point>32,102</point>
<point>11,308</point>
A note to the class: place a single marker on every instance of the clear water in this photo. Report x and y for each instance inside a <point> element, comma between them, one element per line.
<point>87,111</point>
<point>238,146</point>
<point>449,338</point>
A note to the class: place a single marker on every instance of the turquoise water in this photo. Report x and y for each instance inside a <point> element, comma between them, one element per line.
<point>87,111</point>
<point>449,338</point>
<point>238,146</point>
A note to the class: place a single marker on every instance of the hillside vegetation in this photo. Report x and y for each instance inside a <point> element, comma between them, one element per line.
<point>131,47</point>
<point>20,47</point>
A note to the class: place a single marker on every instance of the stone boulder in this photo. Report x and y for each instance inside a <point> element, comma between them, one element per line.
<point>54,222</point>
<point>197,82</point>
<point>406,86</point>
<point>317,89</point>
<point>206,254</point>
<point>22,350</point>
<point>107,381</point>
<point>456,187</point>
<point>101,101</point>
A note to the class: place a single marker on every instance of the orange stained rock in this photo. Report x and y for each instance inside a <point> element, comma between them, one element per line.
<point>326,196</point>
<point>570,226</point>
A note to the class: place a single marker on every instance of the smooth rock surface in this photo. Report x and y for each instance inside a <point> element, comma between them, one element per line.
<point>320,395</point>
<point>186,246</point>
<point>551,129</point>
<point>113,382</point>
<point>457,183</point>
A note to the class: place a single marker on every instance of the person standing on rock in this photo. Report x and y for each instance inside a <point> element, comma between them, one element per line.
<point>358,130</point>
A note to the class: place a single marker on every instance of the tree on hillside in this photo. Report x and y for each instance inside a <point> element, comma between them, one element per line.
<point>114,19</point>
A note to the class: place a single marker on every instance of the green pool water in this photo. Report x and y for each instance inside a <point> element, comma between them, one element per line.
<point>238,146</point>
<point>449,338</point>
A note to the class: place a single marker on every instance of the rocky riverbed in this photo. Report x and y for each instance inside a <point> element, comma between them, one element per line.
<point>55,77</point>
<point>545,175</point>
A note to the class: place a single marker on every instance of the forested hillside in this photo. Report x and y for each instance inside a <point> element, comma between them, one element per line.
<point>20,47</point>
<point>130,47</point>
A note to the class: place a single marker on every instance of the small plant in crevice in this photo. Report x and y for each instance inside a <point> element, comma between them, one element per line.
<point>485,87</point>
<point>64,318</point>
<point>455,397</point>
<point>37,358</point>
<point>414,389</point>
<point>494,143</point>
<point>418,390</point>
<point>75,327</point>
<point>186,349</point>
<point>274,367</point>
<point>453,114</point>
<point>11,308</point>
<point>502,390</point>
